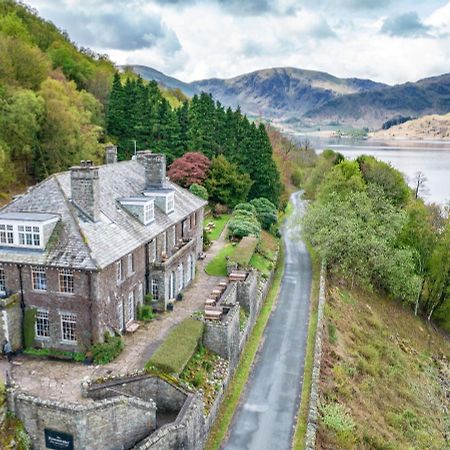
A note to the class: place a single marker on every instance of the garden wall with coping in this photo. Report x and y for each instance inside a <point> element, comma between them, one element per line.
<point>99,425</point>
<point>311,431</point>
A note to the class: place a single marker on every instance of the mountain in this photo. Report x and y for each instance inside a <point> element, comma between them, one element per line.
<point>282,93</point>
<point>148,73</point>
<point>313,98</point>
<point>373,108</point>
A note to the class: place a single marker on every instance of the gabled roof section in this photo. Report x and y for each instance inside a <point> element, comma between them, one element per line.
<point>80,243</point>
<point>66,247</point>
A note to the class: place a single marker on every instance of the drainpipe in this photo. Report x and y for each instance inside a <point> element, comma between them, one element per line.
<point>91,319</point>
<point>22,304</point>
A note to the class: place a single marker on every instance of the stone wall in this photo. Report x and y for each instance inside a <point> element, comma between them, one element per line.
<point>222,336</point>
<point>311,431</point>
<point>118,422</point>
<point>10,321</point>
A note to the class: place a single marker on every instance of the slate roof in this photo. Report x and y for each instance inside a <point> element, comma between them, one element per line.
<point>80,243</point>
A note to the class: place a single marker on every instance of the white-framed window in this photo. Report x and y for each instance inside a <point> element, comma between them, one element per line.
<point>39,278</point>
<point>69,327</point>
<point>131,305</point>
<point>29,235</point>
<point>170,203</point>
<point>195,219</point>
<point>6,234</point>
<point>119,271</point>
<point>152,251</point>
<point>66,284</point>
<point>155,289</point>
<point>180,277</point>
<point>149,212</point>
<point>2,280</point>
<point>130,264</point>
<point>174,236</point>
<point>42,329</point>
<point>192,267</point>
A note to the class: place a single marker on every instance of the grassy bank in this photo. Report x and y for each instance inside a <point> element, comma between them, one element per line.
<point>302,421</point>
<point>237,384</point>
<point>384,377</point>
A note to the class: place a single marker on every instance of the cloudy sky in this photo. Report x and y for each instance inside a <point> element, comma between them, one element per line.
<point>386,40</point>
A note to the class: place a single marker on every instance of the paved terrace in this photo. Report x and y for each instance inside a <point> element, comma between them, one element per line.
<point>56,380</point>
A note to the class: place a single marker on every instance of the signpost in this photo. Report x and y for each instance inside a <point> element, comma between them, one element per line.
<point>56,440</point>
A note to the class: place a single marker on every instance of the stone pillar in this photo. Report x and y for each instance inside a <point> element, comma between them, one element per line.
<point>111,154</point>
<point>85,189</point>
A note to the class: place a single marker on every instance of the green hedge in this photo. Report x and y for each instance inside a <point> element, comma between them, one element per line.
<point>175,352</point>
<point>55,353</point>
<point>105,352</point>
<point>244,251</point>
<point>28,325</point>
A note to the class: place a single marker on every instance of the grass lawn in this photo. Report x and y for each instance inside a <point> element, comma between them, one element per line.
<point>220,223</point>
<point>237,384</point>
<point>218,265</point>
<point>263,258</point>
<point>300,430</point>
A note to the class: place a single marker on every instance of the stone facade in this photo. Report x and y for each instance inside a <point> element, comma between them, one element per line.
<point>111,258</point>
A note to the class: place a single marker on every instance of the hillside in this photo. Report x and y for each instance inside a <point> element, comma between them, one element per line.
<point>282,92</point>
<point>427,127</point>
<point>373,108</point>
<point>385,377</point>
<point>310,98</point>
<point>148,73</point>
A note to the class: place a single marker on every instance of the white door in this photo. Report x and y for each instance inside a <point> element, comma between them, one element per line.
<point>120,315</point>
<point>172,286</point>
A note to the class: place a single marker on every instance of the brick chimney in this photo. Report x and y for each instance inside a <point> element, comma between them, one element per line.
<point>111,154</point>
<point>85,189</point>
<point>155,168</point>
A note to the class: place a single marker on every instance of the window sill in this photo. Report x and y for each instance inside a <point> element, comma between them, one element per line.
<point>42,291</point>
<point>42,338</point>
<point>68,342</point>
<point>67,294</point>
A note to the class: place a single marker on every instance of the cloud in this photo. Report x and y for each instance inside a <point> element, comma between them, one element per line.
<point>407,25</point>
<point>117,25</point>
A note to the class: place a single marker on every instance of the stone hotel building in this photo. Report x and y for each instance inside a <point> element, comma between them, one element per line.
<point>83,247</point>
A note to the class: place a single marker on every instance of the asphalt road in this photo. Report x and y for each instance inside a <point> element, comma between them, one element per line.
<point>265,418</point>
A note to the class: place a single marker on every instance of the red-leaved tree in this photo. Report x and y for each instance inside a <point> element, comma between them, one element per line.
<point>191,168</point>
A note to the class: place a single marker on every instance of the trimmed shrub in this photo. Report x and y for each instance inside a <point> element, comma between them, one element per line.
<point>175,352</point>
<point>145,313</point>
<point>199,191</point>
<point>266,212</point>
<point>108,350</point>
<point>244,251</point>
<point>148,299</point>
<point>240,227</point>
<point>245,207</point>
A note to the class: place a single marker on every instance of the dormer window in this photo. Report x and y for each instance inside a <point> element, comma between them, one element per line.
<point>26,229</point>
<point>164,198</point>
<point>149,212</point>
<point>29,235</point>
<point>143,208</point>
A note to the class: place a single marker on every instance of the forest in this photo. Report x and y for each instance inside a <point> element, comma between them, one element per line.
<point>60,104</point>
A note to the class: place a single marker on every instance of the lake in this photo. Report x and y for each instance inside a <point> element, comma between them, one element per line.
<point>430,157</point>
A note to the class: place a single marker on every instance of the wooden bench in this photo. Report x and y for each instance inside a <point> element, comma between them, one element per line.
<point>210,302</point>
<point>132,326</point>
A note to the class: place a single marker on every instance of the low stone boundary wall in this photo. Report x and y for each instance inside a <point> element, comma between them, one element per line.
<point>311,431</point>
<point>117,422</point>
